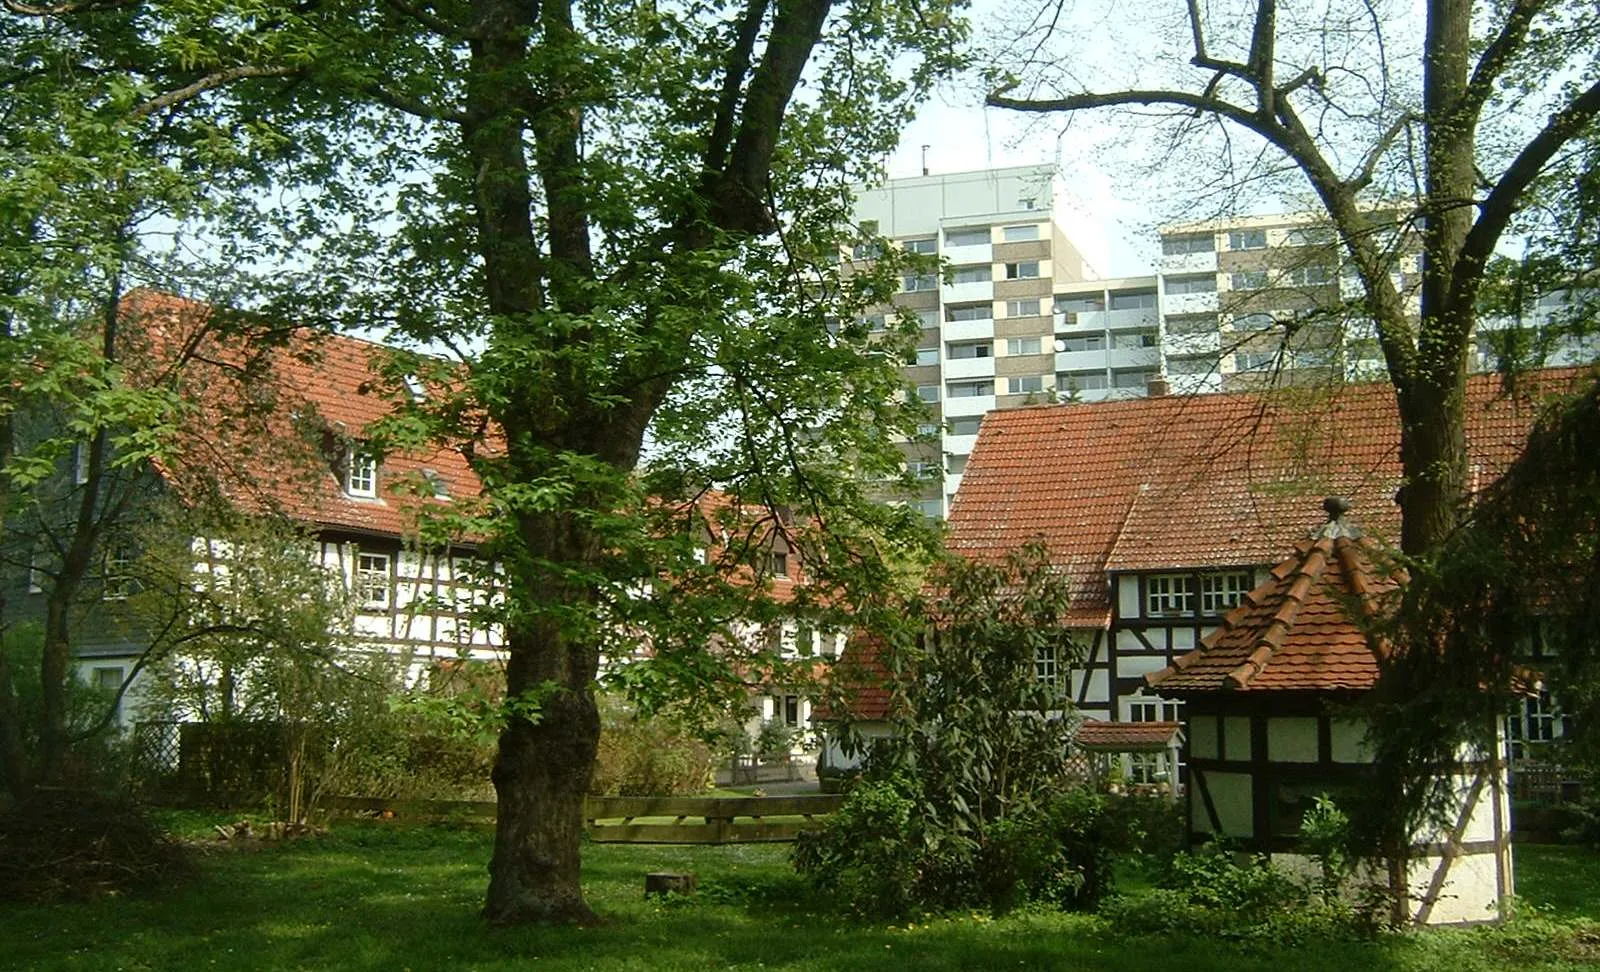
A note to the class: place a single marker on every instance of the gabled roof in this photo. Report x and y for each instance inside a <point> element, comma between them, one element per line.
<point>1301,629</point>
<point>860,681</point>
<point>1097,736</point>
<point>270,425</point>
<point>1199,481</point>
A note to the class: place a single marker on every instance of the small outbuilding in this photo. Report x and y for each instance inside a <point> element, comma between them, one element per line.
<point>1269,726</point>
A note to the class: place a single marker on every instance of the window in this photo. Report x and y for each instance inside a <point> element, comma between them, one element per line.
<point>415,388</point>
<point>1252,322</point>
<point>1250,280</point>
<point>930,508</point>
<point>1254,360</point>
<point>1202,284</point>
<point>1309,236</point>
<point>36,571</point>
<point>977,274</point>
<point>971,312</point>
<point>1150,708</point>
<point>1138,300</point>
<point>109,680</point>
<point>779,564</point>
<point>1166,594</point>
<point>927,356</point>
<point>80,463</point>
<point>1202,365</point>
<point>1247,240</point>
<point>117,578</point>
<point>1533,721</point>
<point>1134,339</point>
<point>1027,385</point>
<point>1084,342</point>
<point>1027,345</point>
<point>1192,324</point>
<point>372,579</point>
<point>1312,275</point>
<point>975,236</point>
<point>922,469</point>
<point>917,282</point>
<point>1220,593</point>
<point>965,426</point>
<point>436,484</point>
<point>972,349</point>
<point>1082,380</point>
<point>361,473</point>
<point>1022,308</point>
<point>1024,270</point>
<point>928,393</point>
<point>867,251</point>
<point>1027,202</point>
<point>928,318</point>
<point>791,710</point>
<point>955,465</point>
<point>1130,379</point>
<point>927,429</point>
<point>1046,665</point>
<point>926,245</point>
<point>1080,305</point>
<point>1193,243</point>
<point>1020,234</point>
<point>970,389</point>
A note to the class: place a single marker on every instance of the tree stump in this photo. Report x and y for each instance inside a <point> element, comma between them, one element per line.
<point>667,882</point>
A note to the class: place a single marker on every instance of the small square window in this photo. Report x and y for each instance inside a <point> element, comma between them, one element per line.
<point>1167,594</point>
<point>1027,385</point>
<point>780,564</point>
<point>361,474</point>
<point>927,356</point>
<point>1024,270</point>
<point>372,579</point>
<point>1019,234</point>
<point>1220,593</point>
<point>928,393</point>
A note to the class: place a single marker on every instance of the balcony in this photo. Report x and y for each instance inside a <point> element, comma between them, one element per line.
<point>959,445</point>
<point>1202,343</point>
<point>1129,357</point>
<point>1189,303</point>
<point>977,253</point>
<point>1081,360</point>
<point>972,405</point>
<point>1189,262</point>
<point>962,293</point>
<point>958,368</point>
<point>1081,321</point>
<point>967,330</point>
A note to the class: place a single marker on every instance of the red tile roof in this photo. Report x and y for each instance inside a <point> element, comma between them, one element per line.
<point>1198,481</point>
<point>314,391</point>
<point>860,682</point>
<point>1300,630</point>
<point>1126,737</point>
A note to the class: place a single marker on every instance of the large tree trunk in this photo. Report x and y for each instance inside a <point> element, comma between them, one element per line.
<point>54,671</point>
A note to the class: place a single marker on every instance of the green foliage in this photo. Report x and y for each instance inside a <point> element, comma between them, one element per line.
<point>1217,878</point>
<point>1325,835</point>
<point>95,756</point>
<point>867,855</point>
<point>648,755</point>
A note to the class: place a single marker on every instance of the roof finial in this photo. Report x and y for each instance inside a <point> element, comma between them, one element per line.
<point>1337,526</point>
<point>1335,506</point>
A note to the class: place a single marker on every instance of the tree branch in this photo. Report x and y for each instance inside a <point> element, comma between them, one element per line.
<point>732,82</point>
<point>227,76</point>
<point>1369,165</point>
<point>430,20</point>
<point>1495,58</point>
<point>412,106</point>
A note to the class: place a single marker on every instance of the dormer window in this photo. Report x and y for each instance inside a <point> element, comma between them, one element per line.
<point>417,390</point>
<point>361,474</point>
<point>1167,594</point>
<point>780,564</point>
<point>436,483</point>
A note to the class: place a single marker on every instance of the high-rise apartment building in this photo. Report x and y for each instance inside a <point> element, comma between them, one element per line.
<point>988,330</point>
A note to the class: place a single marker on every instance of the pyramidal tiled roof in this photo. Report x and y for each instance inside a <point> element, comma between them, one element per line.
<point>1206,481</point>
<point>1301,630</point>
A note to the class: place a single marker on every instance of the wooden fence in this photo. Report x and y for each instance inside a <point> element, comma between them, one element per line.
<point>645,820</point>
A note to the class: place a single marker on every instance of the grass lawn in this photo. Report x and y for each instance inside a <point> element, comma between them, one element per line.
<point>396,897</point>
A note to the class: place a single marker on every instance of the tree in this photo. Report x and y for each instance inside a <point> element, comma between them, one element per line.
<point>621,221</point>
<point>1469,169</point>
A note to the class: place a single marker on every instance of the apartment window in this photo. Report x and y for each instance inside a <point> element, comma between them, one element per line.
<point>971,349</point>
<point>1082,380</point>
<point>1166,594</point>
<point>917,282</point>
<point>1020,234</point>
<point>361,473</point>
<point>955,465</point>
<point>928,393</point>
<point>108,680</point>
<point>1027,345</point>
<point>867,251</point>
<point>1312,275</point>
<point>1047,665</point>
<point>1083,342</point>
<point>372,579</point>
<point>970,312</point>
<point>927,356</point>
<point>928,429</point>
<point>1220,593</point>
<point>1134,339</point>
<point>931,509</point>
<point>970,389</point>
<point>1254,360</point>
<point>1250,280</point>
<point>1201,284</point>
<point>974,236</point>
<point>967,425</point>
<point>1202,365</point>
<point>874,322</point>
<point>1023,270</point>
<point>1192,324</point>
<point>1253,322</point>
<point>1026,385</point>
<point>1130,379</point>
<point>920,469</point>
<point>1080,305</point>
<point>926,245</point>
<point>975,274</point>
<point>1138,300</point>
<point>928,318</point>
<point>1193,243</point>
<point>1309,236</point>
<point>779,564</point>
<point>1247,239</point>
<point>1022,308</point>
<point>1027,202</point>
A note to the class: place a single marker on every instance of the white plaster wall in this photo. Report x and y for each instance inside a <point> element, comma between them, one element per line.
<point>1292,739</point>
<point>1203,737</point>
<point>1236,737</point>
<point>1128,596</point>
<point>1131,665</point>
<point>1230,795</point>
<point>1349,741</point>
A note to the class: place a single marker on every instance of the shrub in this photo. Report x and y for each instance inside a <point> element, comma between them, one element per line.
<point>1249,887</point>
<point>81,843</point>
<point>648,755</point>
<point>870,854</point>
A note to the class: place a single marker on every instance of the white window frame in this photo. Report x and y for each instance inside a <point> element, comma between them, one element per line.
<point>915,283</point>
<point>361,474</point>
<point>1023,345</point>
<point>372,581</point>
<point>1169,595</point>
<point>928,393</point>
<point>1024,233</point>
<point>117,580</point>
<point>926,245</point>
<point>927,356</point>
<point>1025,385</point>
<point>1221,592</point>
<point>1247,239</point>
<point>1023,270</point>
<point>1031,307</point>
<point>1047,665</point>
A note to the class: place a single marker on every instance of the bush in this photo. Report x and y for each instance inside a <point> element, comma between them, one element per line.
<point>648,755</point>
<point>1249,887</point>
<point>81,843</point>
<point>870,854</point>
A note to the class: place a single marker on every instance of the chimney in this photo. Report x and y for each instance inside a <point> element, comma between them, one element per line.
<point>1157,386</point>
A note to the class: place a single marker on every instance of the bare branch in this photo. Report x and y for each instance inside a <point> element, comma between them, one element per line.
<point>412,106</point>
<point>227,76</point>
<point>1369,165</point>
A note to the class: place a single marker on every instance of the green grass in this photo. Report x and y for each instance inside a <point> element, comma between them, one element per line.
<point>395,897</point>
